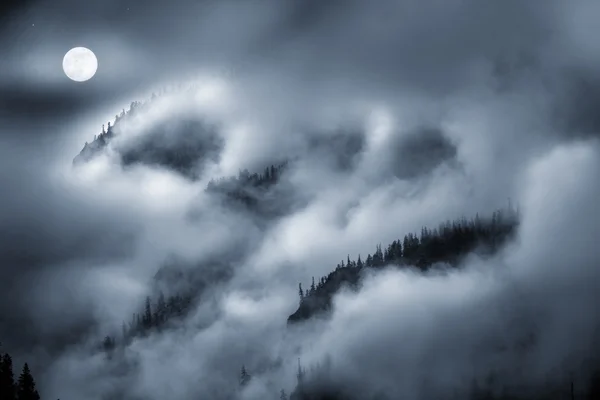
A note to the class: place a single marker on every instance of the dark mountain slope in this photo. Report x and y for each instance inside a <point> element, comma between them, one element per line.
<point>180,144</point>
<point>449,243</point>
<point>266,196</point>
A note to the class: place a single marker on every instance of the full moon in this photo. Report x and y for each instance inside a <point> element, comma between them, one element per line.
<point>80,64</point>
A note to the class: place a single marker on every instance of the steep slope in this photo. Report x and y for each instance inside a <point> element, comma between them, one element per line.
<point>449,243</point>
<point>182,144</point>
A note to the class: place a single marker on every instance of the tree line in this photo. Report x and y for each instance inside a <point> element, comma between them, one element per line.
<point>249,190</point>
<point>103,138</point>
<point>155,316</point>
<point>448,243</point>
<point>23,388</point>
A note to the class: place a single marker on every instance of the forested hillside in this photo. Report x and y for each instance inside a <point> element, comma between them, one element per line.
<point>448,244</point>
<point>178,143</point>
<point>267,196</point>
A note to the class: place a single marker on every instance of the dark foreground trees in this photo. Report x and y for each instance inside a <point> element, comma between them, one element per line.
<point>7,378</point>
<point>26,386</point>
<point>23,389</point>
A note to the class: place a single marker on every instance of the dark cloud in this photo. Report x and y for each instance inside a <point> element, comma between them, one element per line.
<point>180,145</point>
<point>420,152</point>
<point>27,103</point>
<point>438,47</point>
<point>577,110</point>
<point>340,148</point>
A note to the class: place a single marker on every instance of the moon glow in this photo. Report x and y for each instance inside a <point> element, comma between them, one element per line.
<point>80,64</point>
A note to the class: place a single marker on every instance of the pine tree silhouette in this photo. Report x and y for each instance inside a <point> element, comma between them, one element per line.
<point>300,374</point>
<point>147,319</point>
<point>26,386</point>
<point>300,292</point>
<point>7,379</point>
<point>244,376</point>
<point>448,243</point>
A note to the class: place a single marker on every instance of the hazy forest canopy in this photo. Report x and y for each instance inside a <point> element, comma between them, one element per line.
<point>300,200</point>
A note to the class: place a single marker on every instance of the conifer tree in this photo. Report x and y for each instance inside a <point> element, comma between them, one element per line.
<point>244,376</point>
<point>26,386</point>
<point>378,257</point>
<point>7,379</point>
<point>161,309</point>
<point>300,374</point>
<point>147,320</point>
<point>108,344</point>
<point>283,395</point>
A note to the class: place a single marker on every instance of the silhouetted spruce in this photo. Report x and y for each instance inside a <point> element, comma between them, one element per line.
<point>244,376</point>
<point>26,386</point>
<point>7,379</point>
<point>23,389</point>
<point>449,243</point>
